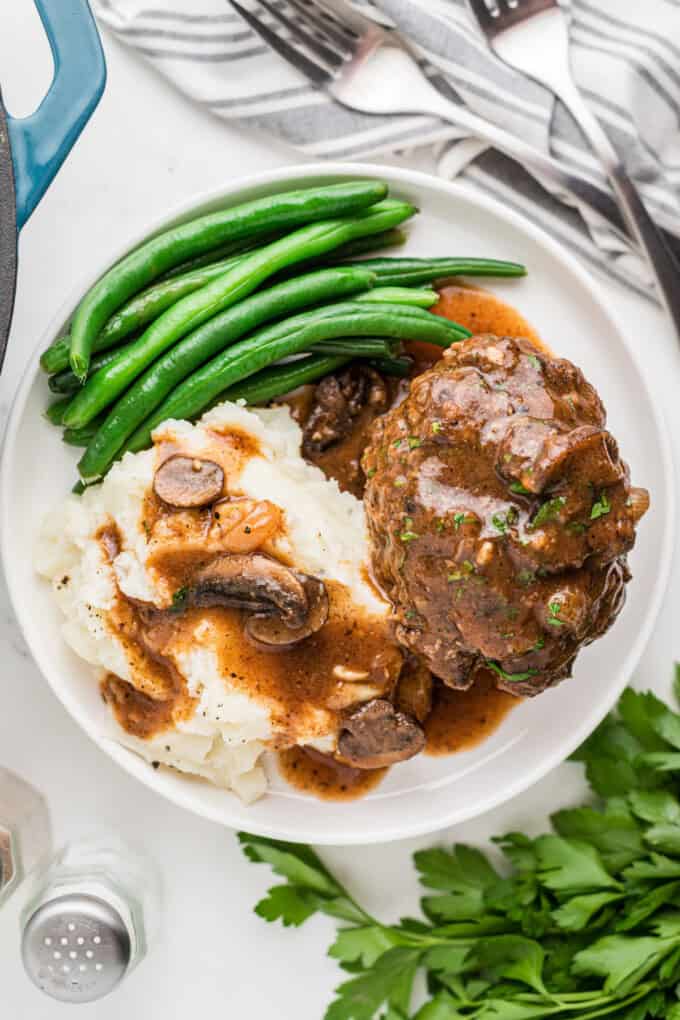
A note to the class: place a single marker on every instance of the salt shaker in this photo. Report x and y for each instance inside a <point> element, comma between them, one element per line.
<point>90,919</point>
<point>25,834</point>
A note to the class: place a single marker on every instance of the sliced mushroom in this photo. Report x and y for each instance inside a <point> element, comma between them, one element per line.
<point>188,481</point>
<point>413,694</point>
<point>376,735</point>
<point>253,582</point>
<point>273,629</point>
<point>639,503</point>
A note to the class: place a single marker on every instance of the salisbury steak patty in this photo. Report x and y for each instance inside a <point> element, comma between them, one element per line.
<point>500,514</point>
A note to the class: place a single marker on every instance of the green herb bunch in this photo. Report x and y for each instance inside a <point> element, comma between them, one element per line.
<point>583,922</point>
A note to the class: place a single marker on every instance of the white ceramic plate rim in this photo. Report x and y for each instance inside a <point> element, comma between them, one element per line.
<point>134,765</point>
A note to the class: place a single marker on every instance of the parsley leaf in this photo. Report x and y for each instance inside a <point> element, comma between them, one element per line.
<point>387,983</point>
<point>578,912</point>
<point>601,507</point>
<point>615,833</point>
<point>179,599</point>
<point>512,678</point>
<point>463,873</point>
<point>622,960</point>
<point>569,866</point>
<point>547,511</point>
<point>554,614</point>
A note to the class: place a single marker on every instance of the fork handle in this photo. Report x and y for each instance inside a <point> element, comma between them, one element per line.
<point>638,221</point>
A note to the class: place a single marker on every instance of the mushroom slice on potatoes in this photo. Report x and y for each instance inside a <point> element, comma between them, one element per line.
<point>188,482</point>
<point>376,735</point>
<point>273,630</point>
<point>289,606</point>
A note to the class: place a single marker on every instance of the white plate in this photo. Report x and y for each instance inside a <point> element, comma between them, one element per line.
<point>425,794</point>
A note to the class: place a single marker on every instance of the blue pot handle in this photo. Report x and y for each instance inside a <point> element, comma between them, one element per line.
<point>41,142</point>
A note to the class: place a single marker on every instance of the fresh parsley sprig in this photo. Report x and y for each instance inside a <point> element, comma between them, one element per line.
<point>582,922</point>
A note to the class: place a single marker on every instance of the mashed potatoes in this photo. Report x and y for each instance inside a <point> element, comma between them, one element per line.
<point>214,706</point>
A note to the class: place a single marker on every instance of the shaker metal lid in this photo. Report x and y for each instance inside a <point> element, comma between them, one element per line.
<point>76,948</point>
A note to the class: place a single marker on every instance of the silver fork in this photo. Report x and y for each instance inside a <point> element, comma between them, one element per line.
<point>371,68</point>
<point>532,36</point>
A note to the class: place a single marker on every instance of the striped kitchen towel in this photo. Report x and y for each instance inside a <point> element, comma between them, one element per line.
<point>625,56</point>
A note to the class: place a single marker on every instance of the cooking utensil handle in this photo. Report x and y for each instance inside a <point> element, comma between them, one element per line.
<point>40,142</point>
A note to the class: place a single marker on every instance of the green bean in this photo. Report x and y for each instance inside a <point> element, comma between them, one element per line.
<point>54,412</point>
<point>292,336</point>
<point>274,382</point>
<point>402,296</point>
<point>135,314</point>
<point>246,220</point>
<point>84,436</point>
<point>400,367</point>
<point>361,347</point>
<point>362,245</point>
<point>452,331</point>
<point>220,294</point>
<point>413,271</point>
<point>219,254</point>
<point>175,365</point>
<point>66,382</point>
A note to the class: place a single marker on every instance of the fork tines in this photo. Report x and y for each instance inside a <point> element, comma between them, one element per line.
<point>305,33</point>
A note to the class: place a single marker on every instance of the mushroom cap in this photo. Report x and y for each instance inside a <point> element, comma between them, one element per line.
<point>376,735</point>
<point>254,582</point>
<point>188,481</point>
<point>270,629</point>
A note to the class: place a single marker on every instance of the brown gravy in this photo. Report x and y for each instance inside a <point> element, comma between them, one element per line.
<point>460,720</point>
<point>159,696</point>
<point>481,311</point>
<point>325,778</point>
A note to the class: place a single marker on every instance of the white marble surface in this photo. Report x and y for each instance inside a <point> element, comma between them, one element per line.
<point>145,150</point>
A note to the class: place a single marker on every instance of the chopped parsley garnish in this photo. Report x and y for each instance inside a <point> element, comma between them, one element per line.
<point>576,527</point>
<point>440,525</point>
<point>554,614</point>
<point>520,489</point>
<point>414,442</point>
<point>399,482</point>
<point>547,511</point>
<point>436,427</point>
<point>410,614</point>
<point>458,519</point>
<point>371,472</point>
<point>601,507</point>
<point>408,535</point>
<point>511,678</point>
<point>539,644</point>
<point>500,523</point>
<point>526,577</point>
<point>467,567</point>
<point>533,360</point>
<point>179,598</point>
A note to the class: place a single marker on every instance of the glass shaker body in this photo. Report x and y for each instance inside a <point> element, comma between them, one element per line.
<point>105,867</point>
<point>25,832</point>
